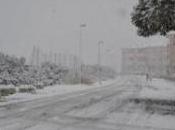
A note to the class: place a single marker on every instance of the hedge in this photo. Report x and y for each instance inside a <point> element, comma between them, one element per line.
<point>5,91</point>
<point>27,89</point>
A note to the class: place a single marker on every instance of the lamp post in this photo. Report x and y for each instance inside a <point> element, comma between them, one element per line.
<point>81,50</point>
<point>100,43</point>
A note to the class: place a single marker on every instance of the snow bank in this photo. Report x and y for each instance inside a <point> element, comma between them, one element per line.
<point>158,89</point>
<point>171,33</point>
<point>51,91</point>
<point>6,86</point>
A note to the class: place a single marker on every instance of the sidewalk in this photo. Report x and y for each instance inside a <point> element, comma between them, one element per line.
<point>158,89</point>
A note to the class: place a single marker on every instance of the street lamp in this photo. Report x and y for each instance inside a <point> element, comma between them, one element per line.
<point>81,50</point>
<point>100,43</point>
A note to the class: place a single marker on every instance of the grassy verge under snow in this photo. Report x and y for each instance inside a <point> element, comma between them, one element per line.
<point>48,92</point>
<point>156,96</point>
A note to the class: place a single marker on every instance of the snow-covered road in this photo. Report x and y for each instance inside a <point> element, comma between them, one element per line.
<point>101,108</point>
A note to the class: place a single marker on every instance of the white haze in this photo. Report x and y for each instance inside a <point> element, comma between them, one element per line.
<point>54,26</point>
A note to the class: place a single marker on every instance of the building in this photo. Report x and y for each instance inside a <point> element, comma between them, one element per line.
<point>152,60</point>
<point>158,60</point>
<point>171,53</point>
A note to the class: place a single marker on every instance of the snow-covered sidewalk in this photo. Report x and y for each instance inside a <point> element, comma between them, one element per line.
<point>51,91</point>
<point>158,89</point>
<point>155,89</point>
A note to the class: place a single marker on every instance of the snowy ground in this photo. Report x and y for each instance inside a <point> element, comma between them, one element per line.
<point>95,108</point>
<point>51,91</point>
<point>158,89</point>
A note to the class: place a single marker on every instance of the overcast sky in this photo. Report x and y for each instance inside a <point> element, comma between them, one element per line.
<point>54,26</point>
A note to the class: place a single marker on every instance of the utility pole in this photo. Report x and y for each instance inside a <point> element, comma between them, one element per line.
<point>60,59</point>
<point>33,56</point>
<point>100,43</point>
<point>81,50</point>
<point>38,64</point>
<point>75,66</point>
<point>55,58</point>
<point>37,57</point>
<point>65,60</point>
<point>50,56</point>
<point>47,57</point>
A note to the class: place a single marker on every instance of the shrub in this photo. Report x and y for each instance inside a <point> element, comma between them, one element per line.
<point>87,81</point>
<point>27,89</point>
<point>39,85</point>
<point>71,80</point>
<point>7,90</point>
<point>77,80</point>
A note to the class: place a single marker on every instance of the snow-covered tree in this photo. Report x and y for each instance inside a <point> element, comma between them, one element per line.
<point>52,73</point>
<point>154,16</point>
<point>11,70</point>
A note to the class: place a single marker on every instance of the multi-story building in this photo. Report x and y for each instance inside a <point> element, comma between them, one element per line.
<point>151,60</point>
<point>157,60</point>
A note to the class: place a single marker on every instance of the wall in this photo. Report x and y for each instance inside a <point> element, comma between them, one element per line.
<point>152,60</point>
<point>171,53</point>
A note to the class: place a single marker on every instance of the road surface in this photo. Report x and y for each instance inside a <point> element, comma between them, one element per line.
<point>104,108</point>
